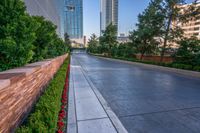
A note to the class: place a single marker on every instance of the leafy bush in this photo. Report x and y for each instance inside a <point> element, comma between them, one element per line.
<point>45,115</point>
<point>57,48</point>
<point>188,67</point>
<point>17,33</point>
<point>189,52</point>
<point>44,37</point>
<point>180,66</point>
<point>196,68</point>
<point>47,43</point>
<point>125,50</point>
<point>24,38</point>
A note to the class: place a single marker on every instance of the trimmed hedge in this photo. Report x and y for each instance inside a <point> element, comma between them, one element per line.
<point>45,116</point>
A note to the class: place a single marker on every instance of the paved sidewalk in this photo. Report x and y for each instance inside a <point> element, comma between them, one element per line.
<point>88,111</point>
<point>146,99</point>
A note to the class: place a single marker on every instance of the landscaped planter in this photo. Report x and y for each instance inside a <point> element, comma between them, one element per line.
<point>63,112</point>
<point>20,89</point>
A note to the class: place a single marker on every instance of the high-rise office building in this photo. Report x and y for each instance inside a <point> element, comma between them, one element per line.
<point>192,27</point>
<point>52,10</point>
<point>108,13</point>
<point>74,19</point>
<point>60,8</point>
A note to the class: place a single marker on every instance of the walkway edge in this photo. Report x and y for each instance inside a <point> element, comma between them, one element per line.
<point>71,117</point>
<point>112,116</point>
<point>162,68</point>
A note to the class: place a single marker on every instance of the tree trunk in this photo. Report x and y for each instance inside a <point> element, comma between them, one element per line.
<point>142,55</point>
<point>166,37</point>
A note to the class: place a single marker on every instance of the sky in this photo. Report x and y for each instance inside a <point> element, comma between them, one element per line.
<point>128,12</point>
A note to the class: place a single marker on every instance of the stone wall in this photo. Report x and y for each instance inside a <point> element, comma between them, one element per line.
<point>21,87</point>
<point>154,58</point>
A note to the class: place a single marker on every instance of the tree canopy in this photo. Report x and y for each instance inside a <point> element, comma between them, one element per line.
<point>25,38</point>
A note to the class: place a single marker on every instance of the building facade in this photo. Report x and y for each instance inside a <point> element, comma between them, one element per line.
<point>191,27</point>
<point>108,13</point>
<point>60,8</point>
<point>52,10</point>
<point>122,38</point>
<point>74,19</point>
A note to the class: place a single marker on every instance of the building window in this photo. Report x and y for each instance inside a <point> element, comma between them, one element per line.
<point>196,28</point>
<point>70,8</point>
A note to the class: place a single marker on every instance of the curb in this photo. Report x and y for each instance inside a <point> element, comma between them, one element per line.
<point>71,117</point>
<point>72,125</point>
<point>112,116</point>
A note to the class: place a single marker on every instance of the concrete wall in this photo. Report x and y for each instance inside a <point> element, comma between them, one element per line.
<point>21,87</point>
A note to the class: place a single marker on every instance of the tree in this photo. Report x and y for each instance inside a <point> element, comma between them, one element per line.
<point>93,44</point>
<point>171,11</point>
<point>189,51</point>
<point>25,38</point>
<point>155,24</point>
<point>45,36</point>
<point>17,34</point>
<point>148,28</point>
<point>67,41</point>
<point>125,50</point>
<point>57,47</point>
<point>109,39</point>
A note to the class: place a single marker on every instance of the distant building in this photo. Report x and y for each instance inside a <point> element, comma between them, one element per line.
<point>52,10</point>
<point>85,41</point>
<point>192,27</point>
<point>123,38</point>
<point>108,13</point>
<point>74,19</point>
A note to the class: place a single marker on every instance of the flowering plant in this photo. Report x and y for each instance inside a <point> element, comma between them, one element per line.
<point>62,114</point>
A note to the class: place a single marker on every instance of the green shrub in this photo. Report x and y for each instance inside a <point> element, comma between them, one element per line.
<point>45,115</point>
<point>188,67</point>
<point>168,64</point>
<point>180,66</point>
<point>44,37</point>
<point>24,38</point>
<point>196,68</point>
<point>17,33</point>
<point>47,43</point>
<point>188,52</point>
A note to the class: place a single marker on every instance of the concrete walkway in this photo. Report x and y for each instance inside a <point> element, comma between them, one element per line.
<point>146,99</point>
<point>88,111</point>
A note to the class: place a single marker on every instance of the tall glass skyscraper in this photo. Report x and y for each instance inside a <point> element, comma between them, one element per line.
<point>74,18</point>
<point>60,9</point>
<point>52,10</point>
<point>108,13</point>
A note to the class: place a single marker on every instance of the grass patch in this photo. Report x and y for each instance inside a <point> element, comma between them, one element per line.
<point>45,116</point>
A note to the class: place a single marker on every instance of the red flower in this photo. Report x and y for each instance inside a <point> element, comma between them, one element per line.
<point>59,131</point>
<point>60,124</point>
<point>64,100</point>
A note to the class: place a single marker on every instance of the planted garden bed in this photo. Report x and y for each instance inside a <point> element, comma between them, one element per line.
<point>49,112</point>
